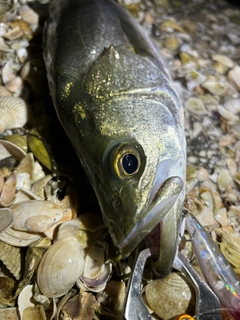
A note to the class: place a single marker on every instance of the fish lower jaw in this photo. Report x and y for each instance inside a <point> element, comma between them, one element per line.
<point>156,211</point>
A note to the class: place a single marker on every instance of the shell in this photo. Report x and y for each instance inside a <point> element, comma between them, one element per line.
<point>11,257</point>
<point>82,306</point>
<point>96,271</point>
<point>223,59</point>
<point>36,215</point>
<point>218,86</point>
<point>12,149</point>
<point>8,192</point>
<point>14,85</point>
<point>1,181</point>
<point>9,314</point>
<point>38,148</point>
<point>169,296</point>
<point>234,76</point>
<point>25,299</point>
<point>68,228</point>
<point>28,15</point>
<point>6,218</point>
<point>113,297</point>
<point>39,186</point>
<point>195,106</point>
<point>60,267</point>
<point>18,140</point>
<point>230,246</point>
<point>18,238</point>
<point>13,113</point>
<point>26,165</point>
<point>36,313</point>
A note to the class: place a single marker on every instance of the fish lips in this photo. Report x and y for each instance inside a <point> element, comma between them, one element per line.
<point>156,210</point>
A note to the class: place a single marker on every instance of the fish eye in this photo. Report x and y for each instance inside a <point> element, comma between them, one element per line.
<point>130,163</point>
<point>125,160</point>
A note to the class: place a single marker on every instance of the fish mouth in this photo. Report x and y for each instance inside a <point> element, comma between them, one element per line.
<point>158,206</point>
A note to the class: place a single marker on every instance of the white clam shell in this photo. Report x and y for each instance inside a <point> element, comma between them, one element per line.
<point>18,238</point>
<point>13,113</point>
<point>68,228</point>
<point>36,215</point>
<point>60,267</point>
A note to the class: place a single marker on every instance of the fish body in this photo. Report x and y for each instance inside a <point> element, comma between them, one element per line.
<point>215,267</point>
<point>117,105</point>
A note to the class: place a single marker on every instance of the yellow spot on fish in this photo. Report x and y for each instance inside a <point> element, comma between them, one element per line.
<point>79,111</point>
<point>67,90</point>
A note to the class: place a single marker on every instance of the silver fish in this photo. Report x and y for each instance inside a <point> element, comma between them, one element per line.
<point>117,105</point>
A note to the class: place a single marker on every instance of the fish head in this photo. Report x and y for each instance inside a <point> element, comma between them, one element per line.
<point>132,144</point>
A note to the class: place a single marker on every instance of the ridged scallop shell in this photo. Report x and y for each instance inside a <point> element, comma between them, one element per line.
<point>11,258</point>
<point>60,267</point>
<point>13,113</point>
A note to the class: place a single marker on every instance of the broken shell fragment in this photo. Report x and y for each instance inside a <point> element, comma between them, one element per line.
<point>195,106</point>
<point>9,314</point>
<point>223,60</point>
<point>11,258</point>
<point>13,113</point>
<point>227,115</point>
<point>28,15</point>
<point>216,85</point>
<point>60,267</point>
<point>234,76</point>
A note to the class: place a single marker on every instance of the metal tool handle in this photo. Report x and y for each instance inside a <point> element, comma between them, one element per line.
<point>207,304</point>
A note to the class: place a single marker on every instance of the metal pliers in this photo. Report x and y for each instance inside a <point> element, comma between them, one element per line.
<point>207,303</point>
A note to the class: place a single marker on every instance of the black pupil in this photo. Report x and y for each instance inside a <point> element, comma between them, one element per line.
<point>130,163</point>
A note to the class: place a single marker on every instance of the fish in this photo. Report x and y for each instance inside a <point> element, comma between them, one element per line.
<point>214,266</point>
<point>116,102</point>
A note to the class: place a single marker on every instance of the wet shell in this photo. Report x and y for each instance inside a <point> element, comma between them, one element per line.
<point>169,296</point>
<point>60,267</point>
<point>36,215</point>
<point>13,113</point>
<point>11,257</point>
<point>11,149</point>
<point>18,140</point>
<point>8,192</point>
<point>6,218</point>
<point>18,238</point>
<point>36,145</point>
